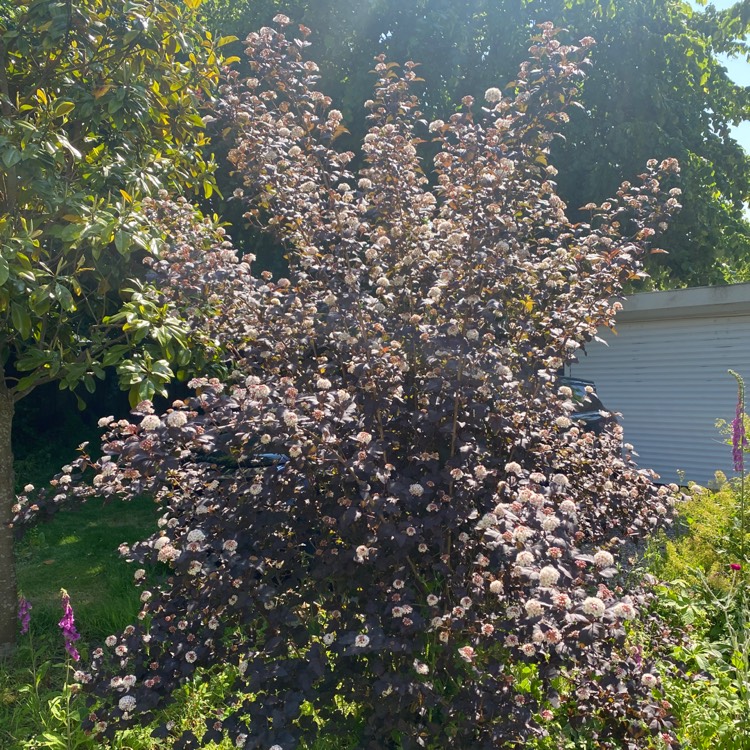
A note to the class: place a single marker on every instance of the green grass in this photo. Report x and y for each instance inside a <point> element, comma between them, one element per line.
<point>78,551</point>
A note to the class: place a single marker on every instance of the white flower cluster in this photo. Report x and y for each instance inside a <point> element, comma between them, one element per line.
<point>568,507</point>
<point>649,680</point>
<point>126,703</point>
<point>150,422</point>
<point>593,606</point>
<point>522,533</point>
<point>524,558</point>
<point>176,419</point>
<point>168,553</point>
<point>534,608</point>
<point>487,521</point>
<point>466,653</point>
<point>421,667</point>
<point>548,576</point>
<point>550,523</point>
<point>624,610</point>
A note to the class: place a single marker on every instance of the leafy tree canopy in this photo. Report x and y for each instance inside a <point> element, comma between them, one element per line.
<point>99,107</point>
<point>656,89</point>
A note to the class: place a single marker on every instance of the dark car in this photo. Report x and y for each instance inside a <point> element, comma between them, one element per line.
<point>590,413</point>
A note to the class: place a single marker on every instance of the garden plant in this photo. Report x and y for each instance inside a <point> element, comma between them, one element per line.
<point>386,520</point>
<point>705,595</point>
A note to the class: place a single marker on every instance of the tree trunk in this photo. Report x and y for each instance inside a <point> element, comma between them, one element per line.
<point>8,591</point>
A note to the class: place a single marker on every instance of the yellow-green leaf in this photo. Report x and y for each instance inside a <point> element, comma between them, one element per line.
<point>63,107</point>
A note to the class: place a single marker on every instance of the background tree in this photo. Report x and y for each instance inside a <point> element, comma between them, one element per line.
<point>99,105</point>
<point>656,87</point>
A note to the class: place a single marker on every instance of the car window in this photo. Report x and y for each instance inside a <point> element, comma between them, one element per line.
<point>584,401</point>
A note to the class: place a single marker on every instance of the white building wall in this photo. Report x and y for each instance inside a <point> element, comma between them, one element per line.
<point>666,373</point>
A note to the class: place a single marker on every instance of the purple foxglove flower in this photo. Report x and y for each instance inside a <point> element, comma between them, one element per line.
<point>739,440</point>
<point>24,614</point>
<point>68,627</point>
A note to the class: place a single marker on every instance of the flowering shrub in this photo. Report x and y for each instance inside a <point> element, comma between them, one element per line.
<point>390,506</point>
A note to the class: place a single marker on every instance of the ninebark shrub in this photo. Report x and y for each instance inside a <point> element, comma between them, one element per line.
<point>389,507</point>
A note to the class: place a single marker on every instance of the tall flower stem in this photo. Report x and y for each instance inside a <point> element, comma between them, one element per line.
<point>24,617</point>
<point>67,693</point>
<point>739,443</point>
<point>70,635</point>
<point>35,677</point>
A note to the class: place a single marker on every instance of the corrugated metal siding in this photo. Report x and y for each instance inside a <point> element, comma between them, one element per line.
<point>668,379</point>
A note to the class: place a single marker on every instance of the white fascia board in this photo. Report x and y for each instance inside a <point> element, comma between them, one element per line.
<point>702,301</point>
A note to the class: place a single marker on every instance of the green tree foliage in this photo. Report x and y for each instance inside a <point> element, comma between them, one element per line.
<point>656,89</point>
<point>99,106</point>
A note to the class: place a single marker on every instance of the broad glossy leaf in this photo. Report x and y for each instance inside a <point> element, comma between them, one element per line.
<point>21,319</point>
<point>11,156</point>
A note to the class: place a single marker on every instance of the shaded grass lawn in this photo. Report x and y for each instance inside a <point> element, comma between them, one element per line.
<point>78,551</point>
